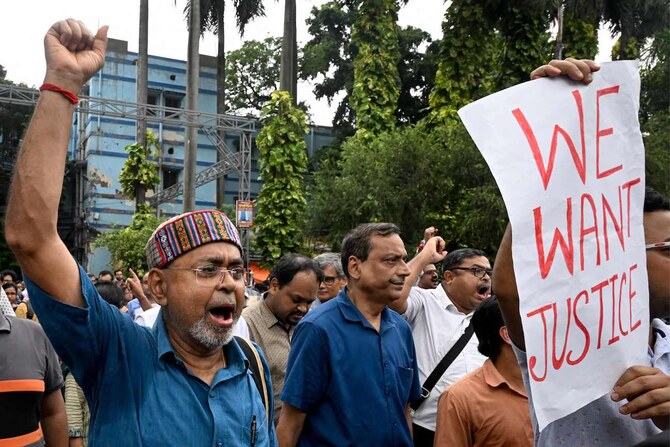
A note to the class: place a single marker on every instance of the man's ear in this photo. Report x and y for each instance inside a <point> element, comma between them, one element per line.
<point>274,286</point>
<point>448,276</point>
<point>354,267</point>
<point>504,335</point>
<point>158,286</point>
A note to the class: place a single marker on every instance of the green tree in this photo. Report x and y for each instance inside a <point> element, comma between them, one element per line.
<point>634,21</point>
<point>376,88</point>
<point>327,60</point>
<point>283,163</point>
<point>127,245</point>
<point>252,72</point>
<point>438,178</point>
<point>138,171</point>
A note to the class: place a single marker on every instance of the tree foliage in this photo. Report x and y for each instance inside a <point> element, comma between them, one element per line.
<point>252,74</point>
<point>283,163</point>
<point>139,170</point>
<point>127,245</point>
<point>438,178</point>
<point>376,88</point>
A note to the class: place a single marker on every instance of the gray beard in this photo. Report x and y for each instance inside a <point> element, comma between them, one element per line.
<point>211,336</point>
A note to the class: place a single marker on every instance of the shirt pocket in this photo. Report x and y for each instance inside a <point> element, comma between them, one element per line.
<point>405,378</point>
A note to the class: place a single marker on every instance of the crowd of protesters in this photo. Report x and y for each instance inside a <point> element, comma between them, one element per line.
<point>357,348</point>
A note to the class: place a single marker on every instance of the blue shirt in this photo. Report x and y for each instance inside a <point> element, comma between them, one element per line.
<point>133,306</point>
<point>164,403</point>
<point>353,382</point>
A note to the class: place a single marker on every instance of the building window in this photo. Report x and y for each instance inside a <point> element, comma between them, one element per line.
<point>152,100</point>
<point>173,100</point>
<point>170,177</point>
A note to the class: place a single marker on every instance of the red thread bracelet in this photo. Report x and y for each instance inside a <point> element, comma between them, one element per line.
<point>54,88</point>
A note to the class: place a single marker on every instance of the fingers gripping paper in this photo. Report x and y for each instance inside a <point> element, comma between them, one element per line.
<point>569,162</point>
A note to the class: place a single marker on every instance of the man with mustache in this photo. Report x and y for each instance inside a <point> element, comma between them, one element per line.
<point>186,381</point>
<point>294,282</point>
<point>352,368</point>
<point>439,317</point>
<point>429,278</point>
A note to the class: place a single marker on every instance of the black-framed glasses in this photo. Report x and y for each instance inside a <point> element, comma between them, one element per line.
<point>479,272</point>
<point>212,276</point>
<point>329,280</point>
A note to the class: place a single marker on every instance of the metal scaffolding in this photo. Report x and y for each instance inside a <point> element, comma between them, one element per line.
<point>208,123</point>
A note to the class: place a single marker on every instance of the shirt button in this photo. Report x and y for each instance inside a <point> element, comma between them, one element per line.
<point>386,364</point>
<point>219,444</point>
<point>212,394</point>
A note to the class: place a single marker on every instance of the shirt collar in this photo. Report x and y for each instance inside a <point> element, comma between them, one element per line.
<point>268,318</point>
<point>494,379</point>
<point>445,301</point>
<point>351,312</point>
<point>5,323</point>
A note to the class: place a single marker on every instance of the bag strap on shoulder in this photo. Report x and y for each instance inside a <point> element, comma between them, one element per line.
<point>258,372</point>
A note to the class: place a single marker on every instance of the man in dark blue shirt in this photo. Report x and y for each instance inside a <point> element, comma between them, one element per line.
<point>352,369</point>
<point>186,382</point>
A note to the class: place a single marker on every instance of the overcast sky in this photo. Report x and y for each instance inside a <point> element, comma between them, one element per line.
<point>26,21</point>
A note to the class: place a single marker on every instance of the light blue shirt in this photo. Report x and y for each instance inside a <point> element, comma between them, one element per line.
<point>600,423</point>
<point>139,391</point>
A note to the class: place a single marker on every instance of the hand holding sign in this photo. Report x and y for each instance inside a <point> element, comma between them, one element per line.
<point>569,161</point>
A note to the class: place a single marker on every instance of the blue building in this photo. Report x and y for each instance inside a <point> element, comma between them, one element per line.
<point>99,141</point>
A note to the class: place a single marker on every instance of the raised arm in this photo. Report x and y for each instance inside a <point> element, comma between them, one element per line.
<point>73,54</point>
<point>504,287</point>
<point>432,252</point>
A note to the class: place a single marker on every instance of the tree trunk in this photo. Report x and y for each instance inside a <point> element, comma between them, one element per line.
<point>221,98</point>
<point>142,80</point>
<point>289,52</point>
<point>192,83</point>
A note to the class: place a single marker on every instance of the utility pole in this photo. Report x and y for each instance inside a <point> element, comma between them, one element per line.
<point>142,80</point>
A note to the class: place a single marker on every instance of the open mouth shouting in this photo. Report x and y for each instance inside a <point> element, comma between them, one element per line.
<point>484,290</point>
<point>223,316</point>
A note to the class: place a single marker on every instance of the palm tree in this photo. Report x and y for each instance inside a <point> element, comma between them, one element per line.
<point>142,78</point>
<point>288,77</point>
<point>212,19</point>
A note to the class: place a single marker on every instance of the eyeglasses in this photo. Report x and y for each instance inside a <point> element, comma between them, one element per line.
<point>665,244</point>
<point>479,272</point>
<point>329,280</point>
<point>213,276</point>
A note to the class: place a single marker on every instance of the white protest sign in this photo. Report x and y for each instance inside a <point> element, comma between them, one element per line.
<point>569,161</point>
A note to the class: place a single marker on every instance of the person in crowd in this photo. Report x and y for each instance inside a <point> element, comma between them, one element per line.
<point>640,402</point>
<point>119,280</point>
<point>9,275</point>
<point>429,277</point>
<point>294,281</point>
<point>33,408</point>
<point>148,309</point>
<point>185,382</point>
<point>105,276</point>
<point>78,415</point>
<point>352,369</point>
<point>488,407</point>
<point>439,318</point>
<point>333,277</point>
<point>21,309</point>
<point>5,306</point>
<point>92,277</point>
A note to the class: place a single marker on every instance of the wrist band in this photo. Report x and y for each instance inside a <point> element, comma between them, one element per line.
<point>54,88</point>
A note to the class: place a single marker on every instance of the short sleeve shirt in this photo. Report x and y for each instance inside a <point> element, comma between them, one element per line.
<point>353,382</point>
<point>139,390</point>
<point>29,369</point>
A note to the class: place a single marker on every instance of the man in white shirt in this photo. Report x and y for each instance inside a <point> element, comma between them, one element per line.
<point>439,317</point>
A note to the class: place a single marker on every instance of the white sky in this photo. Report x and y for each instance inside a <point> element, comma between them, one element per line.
<point>26,22</point>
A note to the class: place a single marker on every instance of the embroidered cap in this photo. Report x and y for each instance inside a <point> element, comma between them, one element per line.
<point>186,232</point>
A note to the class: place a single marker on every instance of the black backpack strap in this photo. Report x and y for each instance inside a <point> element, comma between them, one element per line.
<point>441,367</point>
<point>257,370</point>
